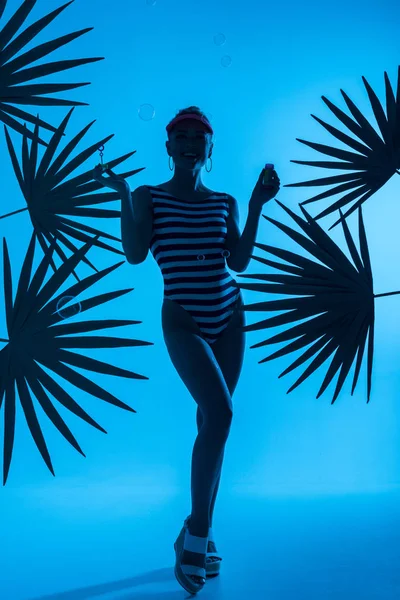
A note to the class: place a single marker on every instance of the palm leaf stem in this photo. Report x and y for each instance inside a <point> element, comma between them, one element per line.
<point>386,294</point>
<point>13,213</point>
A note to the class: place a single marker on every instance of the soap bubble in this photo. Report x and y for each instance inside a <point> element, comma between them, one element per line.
<point>226,61</point>
<point>219,39</point>
<point>146,112</point>
<point>70,311</point>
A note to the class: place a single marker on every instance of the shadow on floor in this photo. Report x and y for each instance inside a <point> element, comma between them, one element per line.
<point>159,576</point>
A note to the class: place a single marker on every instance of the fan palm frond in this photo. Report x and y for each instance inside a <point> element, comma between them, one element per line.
<point>336,296</point>
<point>50,199</point>
<point>36,339</point>
<point>16,70</point>
<point>375,159</point>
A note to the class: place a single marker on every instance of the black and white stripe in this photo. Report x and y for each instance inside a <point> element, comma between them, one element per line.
<point>182,232</point>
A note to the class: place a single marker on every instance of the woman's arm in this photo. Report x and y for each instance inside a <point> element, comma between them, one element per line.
<point>241,246</point>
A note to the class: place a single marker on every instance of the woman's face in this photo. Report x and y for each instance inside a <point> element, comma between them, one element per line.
<point>190,136</point>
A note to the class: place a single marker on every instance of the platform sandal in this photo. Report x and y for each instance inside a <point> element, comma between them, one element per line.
<point>213,559</point>
<point>192,543</point>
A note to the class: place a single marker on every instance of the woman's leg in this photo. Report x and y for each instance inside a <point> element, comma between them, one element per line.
<point>229,353</point>
<point>199,420</point>
<point>196,365</point>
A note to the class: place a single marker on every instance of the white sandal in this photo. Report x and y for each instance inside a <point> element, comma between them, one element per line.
<point>213,567</point>
<point>193,543</point>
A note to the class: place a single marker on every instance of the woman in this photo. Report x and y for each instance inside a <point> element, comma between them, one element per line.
<point>191,230</point>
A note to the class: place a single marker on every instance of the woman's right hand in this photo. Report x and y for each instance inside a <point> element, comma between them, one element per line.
<point>115,182</point>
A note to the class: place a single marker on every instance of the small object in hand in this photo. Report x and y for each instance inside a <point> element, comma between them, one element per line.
<point>104,167</point>
<point>267,175</point>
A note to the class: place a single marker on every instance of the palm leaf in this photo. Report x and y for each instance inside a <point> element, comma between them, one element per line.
<point>336,297</point>
<point>36,333</point>
<point>15,70</point>
<point>375,160</point>
<point>50,199</point>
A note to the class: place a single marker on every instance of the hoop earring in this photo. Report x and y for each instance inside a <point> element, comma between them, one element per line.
<point>172,168</point>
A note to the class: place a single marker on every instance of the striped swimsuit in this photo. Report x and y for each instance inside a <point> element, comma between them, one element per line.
<point>188,245</point>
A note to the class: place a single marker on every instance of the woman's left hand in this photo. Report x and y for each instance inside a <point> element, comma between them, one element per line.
<point>262,193</point>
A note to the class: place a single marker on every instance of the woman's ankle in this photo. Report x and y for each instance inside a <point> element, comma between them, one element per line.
<point>198,529</point>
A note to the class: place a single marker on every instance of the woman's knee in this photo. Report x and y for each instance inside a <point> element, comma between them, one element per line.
<point>219,419</point>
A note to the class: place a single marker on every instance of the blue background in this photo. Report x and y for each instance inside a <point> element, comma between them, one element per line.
<point>258,71</point>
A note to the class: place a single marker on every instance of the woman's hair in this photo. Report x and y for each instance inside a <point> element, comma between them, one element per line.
<point>191,109</point>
